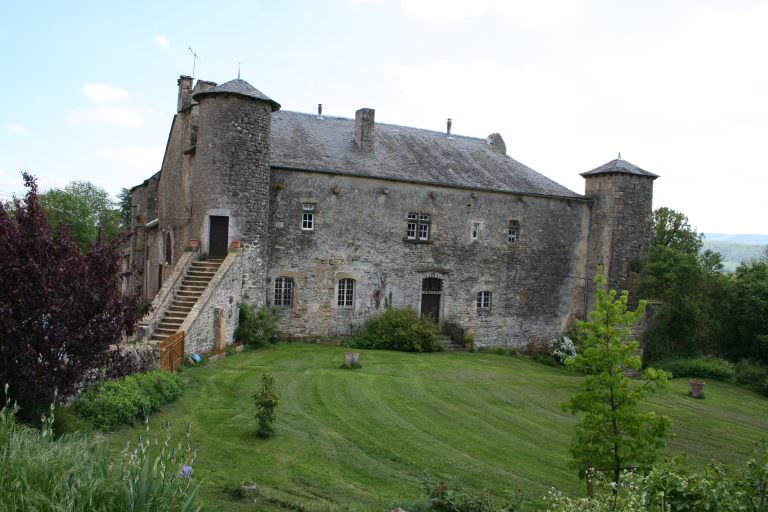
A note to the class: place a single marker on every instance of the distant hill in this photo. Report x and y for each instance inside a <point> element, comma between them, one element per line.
<point>734,248</point>
<point>737,239</point>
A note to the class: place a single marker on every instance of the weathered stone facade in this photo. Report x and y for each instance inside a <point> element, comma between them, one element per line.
<point>350,214</point>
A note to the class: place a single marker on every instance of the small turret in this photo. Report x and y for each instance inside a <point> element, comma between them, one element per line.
<point>621,220</point>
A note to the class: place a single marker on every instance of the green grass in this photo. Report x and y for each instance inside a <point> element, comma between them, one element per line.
<point>359,440</point>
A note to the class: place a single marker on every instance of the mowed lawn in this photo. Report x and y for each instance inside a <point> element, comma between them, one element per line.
<point>361,439</point>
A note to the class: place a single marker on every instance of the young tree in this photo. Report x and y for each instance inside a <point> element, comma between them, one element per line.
<point>613,434</point>
<point>266,400</point>
<point>85,209</point>
<point>61,311</point>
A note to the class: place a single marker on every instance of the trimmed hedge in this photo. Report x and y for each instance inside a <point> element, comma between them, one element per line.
<point>398,329</point>
<point>122,401</point>
<point>701,367</point>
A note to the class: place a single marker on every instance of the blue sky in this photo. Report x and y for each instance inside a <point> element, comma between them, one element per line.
<point>88,89</point>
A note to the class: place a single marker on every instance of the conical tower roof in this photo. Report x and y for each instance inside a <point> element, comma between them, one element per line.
<point>619,166</point>
<point>238,87</point>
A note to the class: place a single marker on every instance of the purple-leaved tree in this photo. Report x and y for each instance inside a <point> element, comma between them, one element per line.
<point>61,311</point>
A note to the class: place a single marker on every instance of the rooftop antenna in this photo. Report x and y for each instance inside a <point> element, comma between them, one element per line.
<point>238,70</point>
<point>195,58</point>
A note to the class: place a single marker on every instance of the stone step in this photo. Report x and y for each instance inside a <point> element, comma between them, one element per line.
<point>196,279</point>
<point>171,321</point>
<point>167,332</point>
<point>187,293</point>
<point>201,273</point>
<point>194,288</point>
<point>174,314</point>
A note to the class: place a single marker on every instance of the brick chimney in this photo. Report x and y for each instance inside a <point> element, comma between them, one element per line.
<point>364,128</point>
<point>185,92</point>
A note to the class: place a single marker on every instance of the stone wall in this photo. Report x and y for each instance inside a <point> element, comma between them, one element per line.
<point>360,233</point>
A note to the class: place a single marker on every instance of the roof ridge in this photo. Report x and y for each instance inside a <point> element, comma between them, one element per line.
<point>378,123</point>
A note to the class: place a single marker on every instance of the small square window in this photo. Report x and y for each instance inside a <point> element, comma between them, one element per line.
<point>513,231</point>
<point>307,217</point>
<point>483,301</point>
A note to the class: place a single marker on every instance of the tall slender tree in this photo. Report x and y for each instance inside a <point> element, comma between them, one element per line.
<point>613,434</point>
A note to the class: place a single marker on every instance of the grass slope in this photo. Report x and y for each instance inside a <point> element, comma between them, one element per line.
<point>361,439</point>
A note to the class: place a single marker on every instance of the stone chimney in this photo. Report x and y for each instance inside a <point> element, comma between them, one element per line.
<point>185,92</point>
<point>497,143</point>
<point>364,128</point>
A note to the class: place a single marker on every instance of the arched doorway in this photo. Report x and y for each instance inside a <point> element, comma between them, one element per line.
<point>431,291</point>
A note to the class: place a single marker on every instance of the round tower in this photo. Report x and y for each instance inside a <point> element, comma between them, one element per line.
<point>621,221</point>
<point>231,173</point>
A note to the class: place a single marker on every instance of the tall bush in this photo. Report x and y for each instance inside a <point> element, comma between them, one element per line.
<point>256,328</point>
<point>61,311</point>
<point>398,329</point>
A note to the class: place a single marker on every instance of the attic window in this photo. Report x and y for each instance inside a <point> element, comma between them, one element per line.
<point>513,231</point>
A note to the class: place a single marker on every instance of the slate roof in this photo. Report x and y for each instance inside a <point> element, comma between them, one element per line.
<point>619,166</point>
<point>238,87</point>
<point>304,142</point>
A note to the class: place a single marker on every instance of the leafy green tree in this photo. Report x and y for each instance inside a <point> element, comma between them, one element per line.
<point>266,400</point>
<point>124,204</point>
<point>672,229</point>
<point>612,434</point>
<point>83,208</point>
<point>745,332</point>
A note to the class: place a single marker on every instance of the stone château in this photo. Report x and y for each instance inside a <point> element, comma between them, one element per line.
<point>329,219</point>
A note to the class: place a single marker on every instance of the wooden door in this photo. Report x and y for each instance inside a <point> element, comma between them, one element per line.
<point>431,290</point>
<point>218,238</point>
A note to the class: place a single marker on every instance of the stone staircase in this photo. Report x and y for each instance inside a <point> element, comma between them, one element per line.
<point>192,286</point>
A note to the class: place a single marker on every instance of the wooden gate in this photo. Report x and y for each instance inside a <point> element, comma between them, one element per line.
<point>171,351</point>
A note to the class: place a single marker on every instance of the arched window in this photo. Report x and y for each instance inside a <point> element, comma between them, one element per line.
<point>168,249</point>
<point>284,292</point>
<point>346,294</point>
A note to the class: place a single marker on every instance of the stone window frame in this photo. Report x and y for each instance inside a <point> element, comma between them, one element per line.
<point>345,293</point>
<point>308,210</point>
<point>284,292</point>
<point>484,301</point>
<point>513,231</point>
<point>475,228</point>
<point>418,227</point>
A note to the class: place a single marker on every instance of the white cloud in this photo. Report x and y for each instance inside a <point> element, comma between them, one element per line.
<point>537,15</point>
<point>2,172</point>
<point>18,129</point>
<point>115,116</point>
<point>161,41</point>
<point>103,94</point>
<point>142,158</point>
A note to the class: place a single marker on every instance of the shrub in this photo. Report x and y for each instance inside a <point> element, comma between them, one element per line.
<point>76,472</point>
<point>710,368</point>
<point>122,401</point>
<point>256,328</point>
<point>266,400</point>
<point>398,329</point>
<point>752,375</point>
<point>454,498</point>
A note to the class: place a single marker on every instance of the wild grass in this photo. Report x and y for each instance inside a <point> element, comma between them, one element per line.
<point>76,472</point>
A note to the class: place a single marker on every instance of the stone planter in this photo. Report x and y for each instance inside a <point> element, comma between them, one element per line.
<point>350,359</point>
<point>697,388</point>
<point>235,244</point>
<point>193,245</point>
